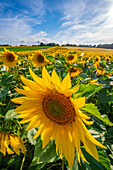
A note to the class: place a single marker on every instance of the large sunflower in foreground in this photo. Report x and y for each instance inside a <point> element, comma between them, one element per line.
<point>8,141</point>
<point>39,59</point>
<point>47,104</point>
<point>9,58</point>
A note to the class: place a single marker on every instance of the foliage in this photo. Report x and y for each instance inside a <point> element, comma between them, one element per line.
<point>99,100</point>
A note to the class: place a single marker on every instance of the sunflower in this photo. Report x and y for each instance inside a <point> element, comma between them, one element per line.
<point>97,65</point>
<point>71,58</point>
<point>38,59</point>
<point>97,59</point>
<point>107,59</point>
<point>48,104</point>
<point>100,71</point>
<point>75,71</point>
<point>9,58</point>
<point>10,143</point>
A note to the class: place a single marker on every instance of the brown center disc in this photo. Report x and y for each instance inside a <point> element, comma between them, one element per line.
<point>58,108</point>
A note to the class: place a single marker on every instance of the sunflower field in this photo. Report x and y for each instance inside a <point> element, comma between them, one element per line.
<point>56,109</point>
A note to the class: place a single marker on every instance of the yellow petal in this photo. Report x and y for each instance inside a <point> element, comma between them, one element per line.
<point>14,145</point>
<point>28,118</point>
<point>46,134</point>
<point>35,122</point>
<point>47,78</point>
<point>74,90</point>
<point>3,147</point>
<point>44,123</point>
<point>37,79</point>
<point>9,151</point>
<point>27,107</point>
<point>87,122</point>
<point>70,146</point>
<point>91,149</point>
<point>45,75</point>
<point>89,136</point>
<point>66,83</point>
<point>82,115</point>
<point>80,102</point>
<point>19,100</point>
<point>55,78</point>
<point>29,93</point>
<point>57,139</point>
<point>32,85</point>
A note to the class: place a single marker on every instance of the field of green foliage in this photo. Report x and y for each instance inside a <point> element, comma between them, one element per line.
<point>62,97</point>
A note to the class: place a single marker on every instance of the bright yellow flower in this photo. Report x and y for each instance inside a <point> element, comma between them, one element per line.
<point>75,71</point>
<point>107,59</point>
<point>97,59</point>
<point>8,58</point>
<point>97,65</point>
<point>100,71</point>
<point>71,58</point>
<point>10,143</point>
<point>38,59</point>
<point>48,104</point>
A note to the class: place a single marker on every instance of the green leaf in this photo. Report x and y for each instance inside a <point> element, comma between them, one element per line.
<point>3,91</point>
<point>83,76</point>
<point>94,164</point>
<point>88,90</point>
<point>48,154</point>
<point>104,80</point>
<point>7,79</point>
<point>105,97</point>
<point>11,114</point>
<point>91,108</point>
<point>109,137</point>
<point>104,160</point>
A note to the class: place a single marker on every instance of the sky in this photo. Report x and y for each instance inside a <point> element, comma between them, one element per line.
<point>60,21</point>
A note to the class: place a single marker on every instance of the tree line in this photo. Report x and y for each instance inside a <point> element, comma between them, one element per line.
<point>108,46</point>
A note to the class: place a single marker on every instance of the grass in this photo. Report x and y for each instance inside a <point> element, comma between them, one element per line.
<point>23,48</point>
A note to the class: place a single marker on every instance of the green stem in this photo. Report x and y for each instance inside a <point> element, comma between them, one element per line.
<point>7,106</point>
<point>62,164</point>
<point>2,116</point>
<point>53,166</point>
<point>23,162</point>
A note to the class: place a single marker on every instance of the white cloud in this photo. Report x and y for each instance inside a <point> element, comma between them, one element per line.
<point>33,7</point>
<point>17,26</point>
<point>81,21</point>
<point>84,22</point>
<point>14,31</point>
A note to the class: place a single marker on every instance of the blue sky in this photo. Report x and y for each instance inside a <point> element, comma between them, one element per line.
<point>60,21</point>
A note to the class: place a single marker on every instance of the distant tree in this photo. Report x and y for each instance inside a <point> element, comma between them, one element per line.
<point>42,44</point>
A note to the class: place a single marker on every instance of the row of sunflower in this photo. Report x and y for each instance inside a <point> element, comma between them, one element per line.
<point>56,109</point>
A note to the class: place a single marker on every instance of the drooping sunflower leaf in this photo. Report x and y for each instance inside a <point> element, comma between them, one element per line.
<point>91,108</point>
